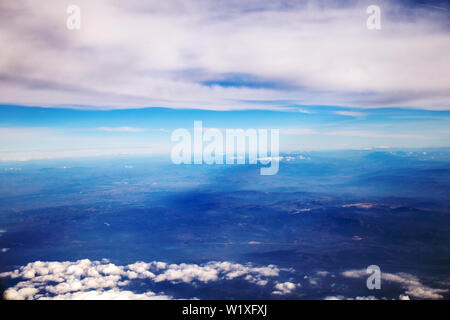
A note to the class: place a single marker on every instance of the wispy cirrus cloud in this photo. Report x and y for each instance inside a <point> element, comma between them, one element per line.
<point>371,134</point>
<point>120,129</point>
<point>355,114</point>
<point>299,131</point>
<point>348,133</point>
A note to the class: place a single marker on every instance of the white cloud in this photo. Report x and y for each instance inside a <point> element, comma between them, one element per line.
<point>20,294</point>
<point>134,54</point>
<point>340,297</point>
<point>348,133</point>
<point>355,114</point>
<point>371,134</point>
<point>86,279</point>
<point>284,288</point>
<point>24,134</point>
<point>112,294</point>
<point>298,131</point>
<point>214,271</point>
<point>35,143</point>
<point>359,205</point>
<point>188,273</point>
<point>410,283</point>
<point>120,129</point>
<point>334,298</point>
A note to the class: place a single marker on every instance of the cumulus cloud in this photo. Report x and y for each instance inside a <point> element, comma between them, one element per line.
<point>214,271</point>
<point>113,294</point>
<point>410,283</point>
<point>86,279</point>
<point>227,55</point>
<point>284,288</point>
<point>188,273</point>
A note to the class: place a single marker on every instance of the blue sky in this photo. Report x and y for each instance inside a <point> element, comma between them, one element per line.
<point>40,133</point>
<point>134,71</point>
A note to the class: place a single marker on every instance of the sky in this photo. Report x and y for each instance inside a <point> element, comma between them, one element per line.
<point>28,133</point>
<point>136,70</point>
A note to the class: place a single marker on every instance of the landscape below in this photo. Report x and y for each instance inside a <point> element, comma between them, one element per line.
<point>138,227</point>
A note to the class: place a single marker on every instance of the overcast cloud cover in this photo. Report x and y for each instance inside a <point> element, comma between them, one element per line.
<point>224,54</point>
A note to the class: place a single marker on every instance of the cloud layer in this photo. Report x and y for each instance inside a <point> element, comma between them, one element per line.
<point>86,279</point>
<point>412,284</point>
<point>226,55</point>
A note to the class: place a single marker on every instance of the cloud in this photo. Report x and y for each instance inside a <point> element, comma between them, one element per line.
<point>347,133</point>
<point>356,114</point>
<point>188,273</point>
<point>371,134</point>
<point>298,131</point>
<point>340,297</point>
<point>231,55</point>
<point>24,134</point>
<point>359,205</point>
<point>284,288</point>
<point>112,294</point>
<point>86,279</point>
<point>322,273</point>
<point>120,129</point>
<point>410,283</point>
<point>78,153</point>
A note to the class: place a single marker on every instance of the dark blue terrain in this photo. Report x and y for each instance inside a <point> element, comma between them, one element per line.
<point>324,213</point>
